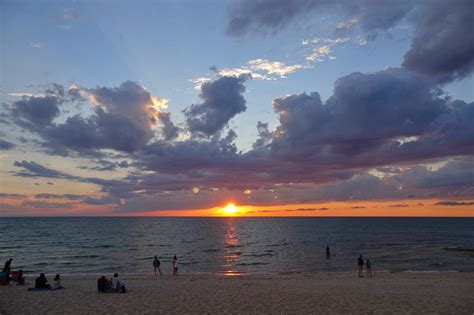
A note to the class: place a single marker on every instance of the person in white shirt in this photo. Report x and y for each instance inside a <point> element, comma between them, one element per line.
<point>117,284</point>
<point>56,284</point>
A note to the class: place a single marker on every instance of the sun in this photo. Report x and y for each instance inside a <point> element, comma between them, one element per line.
<point>230,209</point>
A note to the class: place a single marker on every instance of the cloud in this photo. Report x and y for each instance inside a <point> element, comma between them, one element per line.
<point>222,100</point>
<point>6,145</point>
<point>33,169</point>
<point>106,165</point>
<point>169,130</point>
<point>321,47</point>
<point>39,111</point>
<point>57,196</point>
<point>454,203</point>
<point>123,118</point>
<point>257,69</point>
<point>441,46</point>
<point>12,196</point>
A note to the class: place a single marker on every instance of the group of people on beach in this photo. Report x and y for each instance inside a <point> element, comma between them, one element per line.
<point>157,265</point>
<point>42,283</point>
<point>368,266</point>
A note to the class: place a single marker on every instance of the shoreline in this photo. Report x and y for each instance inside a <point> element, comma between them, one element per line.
<point>296,293</point>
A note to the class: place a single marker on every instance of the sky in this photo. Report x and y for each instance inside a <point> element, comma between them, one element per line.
<point>281,108</point>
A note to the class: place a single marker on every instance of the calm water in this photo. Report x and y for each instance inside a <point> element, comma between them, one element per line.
<point>233,245</point>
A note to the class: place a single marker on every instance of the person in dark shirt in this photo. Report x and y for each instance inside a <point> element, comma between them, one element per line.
<point>41,282</point>
<point>156,265</point>
<point>6,269</point>
<point>328,252</point>
<point>102,285</point>
<point>360,263</point>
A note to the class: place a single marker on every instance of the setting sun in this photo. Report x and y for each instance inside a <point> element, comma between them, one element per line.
<point>230,209</point>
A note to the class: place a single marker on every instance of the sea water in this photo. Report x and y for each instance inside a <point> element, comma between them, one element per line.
<point>91,245</point>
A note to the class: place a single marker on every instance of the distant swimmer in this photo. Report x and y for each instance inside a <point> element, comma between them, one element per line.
<point>156,265</point>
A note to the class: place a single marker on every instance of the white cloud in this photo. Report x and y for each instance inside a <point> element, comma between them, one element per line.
<point>321,47</point>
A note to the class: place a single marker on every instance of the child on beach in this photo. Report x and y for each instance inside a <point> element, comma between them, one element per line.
<point>368,266</point>
<point>57,283</point>
<point>117,284</point>
<point>360,263</point>
<point>175,266</point>
<point>156,265</point>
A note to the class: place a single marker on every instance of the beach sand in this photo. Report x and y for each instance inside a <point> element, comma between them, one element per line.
<point>302,293</point>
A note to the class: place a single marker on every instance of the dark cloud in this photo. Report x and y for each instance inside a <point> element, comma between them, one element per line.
<point>222,100</point>
<point>12,196</point>
<point>45,205</point>
<point>442,46</point>
<point>6,145</point>
<point>57,196</point>
<point>33,169</point>
<point>106,165</point>
<point>123,119</point>
<point>454,203</point>
<point>169,130</point>
<point>39,111</point>
<point>399,205</point>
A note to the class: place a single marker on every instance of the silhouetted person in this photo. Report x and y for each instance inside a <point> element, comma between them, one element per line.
<point>41,282</point>
<point>102,285</point>
<point>175,266</point>
<point>360,264</point>
<point>156,265</point>
<point>328,252</point>
<point>7,267</point>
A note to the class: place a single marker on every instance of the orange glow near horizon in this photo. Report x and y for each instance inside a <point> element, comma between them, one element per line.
<point>386,208</point>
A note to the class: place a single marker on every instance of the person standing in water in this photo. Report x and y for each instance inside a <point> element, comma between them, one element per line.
<point>175,266</point>
<point>156,265</point>
<point>360,263</point>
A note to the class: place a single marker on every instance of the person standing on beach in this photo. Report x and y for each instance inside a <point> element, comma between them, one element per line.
<point>328,252</point>
<point>368,266</point>
<point>360,263</point>
<point>175,266</point>
<point>7,267</point>
<point>156,265</point>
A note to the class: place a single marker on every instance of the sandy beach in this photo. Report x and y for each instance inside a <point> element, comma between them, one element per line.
<point>386,293</point>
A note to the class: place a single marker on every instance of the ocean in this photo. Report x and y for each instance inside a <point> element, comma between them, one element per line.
<point>230,246</point>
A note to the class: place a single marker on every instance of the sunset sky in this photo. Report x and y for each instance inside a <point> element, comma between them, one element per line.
<point>282,108</point>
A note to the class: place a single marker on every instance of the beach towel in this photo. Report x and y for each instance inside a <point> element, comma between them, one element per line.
<point>42,289</point>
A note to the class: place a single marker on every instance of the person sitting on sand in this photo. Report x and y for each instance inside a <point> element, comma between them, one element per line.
<point>17,276</point>
<point>57,283</point>
<point>117,284</point>
<point>368,266</point>
<point>175,266</point>
<point>156,265</point>
<point>41,282</point>
<point>360,263</point>
<point>103,285</point>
